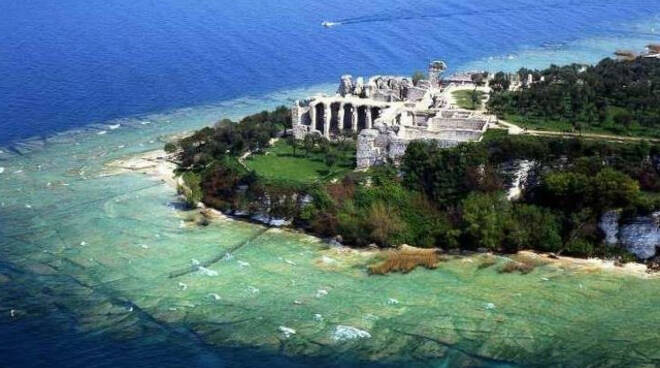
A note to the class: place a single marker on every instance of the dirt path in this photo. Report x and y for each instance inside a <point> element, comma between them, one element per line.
<point>515,130</point>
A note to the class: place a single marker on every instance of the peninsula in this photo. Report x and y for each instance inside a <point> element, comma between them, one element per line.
<point>449,163</point>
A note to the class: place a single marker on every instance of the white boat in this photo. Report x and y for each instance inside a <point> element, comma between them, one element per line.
<point>327,24</point>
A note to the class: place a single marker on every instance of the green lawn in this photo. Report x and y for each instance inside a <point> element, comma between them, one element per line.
<point>539,124</point>
<point>279,163</point>
<point>608,127</point>
<point>464,99</point>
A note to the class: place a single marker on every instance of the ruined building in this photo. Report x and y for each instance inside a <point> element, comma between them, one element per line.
<point>387,112</point>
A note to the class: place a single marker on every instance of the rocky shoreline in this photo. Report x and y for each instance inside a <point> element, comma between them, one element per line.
<point>157,165</point>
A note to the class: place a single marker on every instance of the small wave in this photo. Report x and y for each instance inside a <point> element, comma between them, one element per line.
<point>207,272</point>
<point>243,264</point>
<point>2,169</point>
<point>114,126</point>
<point>102,132</point>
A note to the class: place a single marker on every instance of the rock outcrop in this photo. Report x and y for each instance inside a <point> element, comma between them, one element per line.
<point>641,236</point>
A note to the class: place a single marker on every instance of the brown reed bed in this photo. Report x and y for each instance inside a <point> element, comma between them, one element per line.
<point>487,261</point>
<point>522,263</point>
<point>405,260</point>
<point>514,266</point>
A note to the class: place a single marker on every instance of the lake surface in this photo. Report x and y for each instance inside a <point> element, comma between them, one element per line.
<point>86,258</point>
<point>69,63</point>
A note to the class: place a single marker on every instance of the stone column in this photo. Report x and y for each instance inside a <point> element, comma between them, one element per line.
<point>340,117</point>
<point>354,118</point>
<point>327,115</point>
<point>368,121</point>
<point>312,116</point>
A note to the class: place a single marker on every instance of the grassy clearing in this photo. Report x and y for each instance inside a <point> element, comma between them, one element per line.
<point>607,127</point>
<point>494,134</point>
<point>464,99</point>
<point>539,124</point>
<point>279,163</point>
<point>405,260</point>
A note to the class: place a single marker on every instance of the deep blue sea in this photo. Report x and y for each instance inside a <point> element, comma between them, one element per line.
<point>67,64</point>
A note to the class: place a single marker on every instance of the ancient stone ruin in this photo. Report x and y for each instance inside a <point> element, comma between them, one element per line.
<point>387,112</point>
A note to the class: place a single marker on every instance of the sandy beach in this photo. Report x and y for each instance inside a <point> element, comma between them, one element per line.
<point>152,163</point>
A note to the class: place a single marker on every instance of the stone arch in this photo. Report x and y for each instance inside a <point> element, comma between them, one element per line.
<point>334,117</point>
<point>307,118</point>
<point>362,117</point>
<point>319,111</point>
<point>375,113</point>
<point>348,116</point>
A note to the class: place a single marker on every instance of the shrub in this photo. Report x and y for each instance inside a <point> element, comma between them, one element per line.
<point>384,223</point>
<point>191,189</point>
<point>579,247</point>
<point>170,147</point>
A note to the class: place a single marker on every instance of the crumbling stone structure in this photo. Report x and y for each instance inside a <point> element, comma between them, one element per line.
<point>387,143</point>
<point>387,112</point>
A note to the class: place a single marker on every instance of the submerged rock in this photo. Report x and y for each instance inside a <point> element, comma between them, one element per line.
<point>286,331</point>
<point>344,333</point>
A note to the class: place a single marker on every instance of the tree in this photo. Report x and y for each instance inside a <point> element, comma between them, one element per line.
<point>384,223</point>
<point>293,142</point>
<point>623,118</point>
<point>533,227</point>
<point>417,76</point>
<point>484,217</point>
<point>613,189</point>
<point>477,78</point>
<point>500,83</point>
<point>441,173</point>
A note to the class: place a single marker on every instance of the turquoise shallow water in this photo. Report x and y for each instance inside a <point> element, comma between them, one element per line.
<point>90,257</point>
<point>86,259</point>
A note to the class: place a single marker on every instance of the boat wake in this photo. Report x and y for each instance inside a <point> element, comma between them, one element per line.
<point>405,14</point>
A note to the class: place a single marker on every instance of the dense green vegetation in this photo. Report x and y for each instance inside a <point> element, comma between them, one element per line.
<point>253,133</point>
<point>616,97</point>
<point>572,184</point>
<point>470,99</point>
<point>450,198</point>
